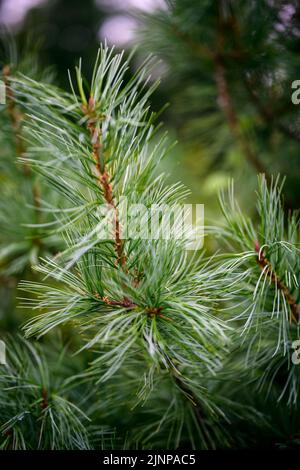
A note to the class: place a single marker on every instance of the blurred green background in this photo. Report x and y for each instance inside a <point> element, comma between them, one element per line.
<point>227,69</point>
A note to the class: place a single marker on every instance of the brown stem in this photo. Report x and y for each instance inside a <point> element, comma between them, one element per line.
<point>44,403</point>
<point>103,176</point>
<point>127,303</point>
<point>265,265</point>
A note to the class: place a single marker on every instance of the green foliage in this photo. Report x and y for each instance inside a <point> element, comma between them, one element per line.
<point>268,270</point>
<point>179,345</point>
<point>40,407</point>
<point>149,296</point>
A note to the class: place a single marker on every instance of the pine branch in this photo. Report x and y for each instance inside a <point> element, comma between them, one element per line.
<point>168,312</point>
<point>266,301</point>
<point>130,305</point>
<point>103,176</point>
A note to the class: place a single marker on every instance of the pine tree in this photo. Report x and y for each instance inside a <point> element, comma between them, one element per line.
<point>185,347</point>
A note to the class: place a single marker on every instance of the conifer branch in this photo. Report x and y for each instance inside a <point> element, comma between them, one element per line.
<point>128,304</point>
<point>163,315</point>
